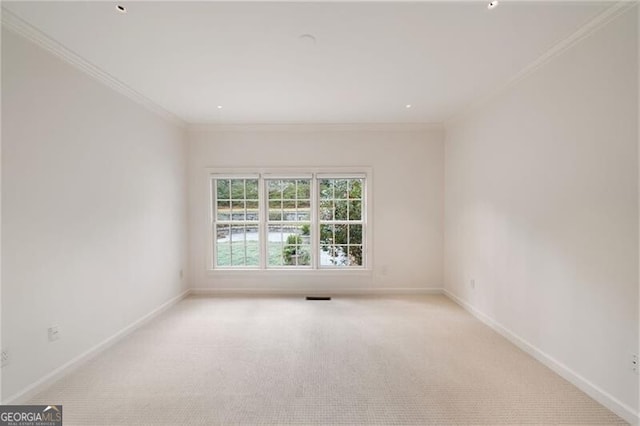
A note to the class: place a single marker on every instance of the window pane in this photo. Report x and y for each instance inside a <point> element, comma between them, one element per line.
<point>326,234</point>
<point>341,210</point>
<point>237,210</point>
<point>341,257</point>
<point>304,210</point>
<point>288,189</point>
<point>237,189</point>
<point>355,234</point>
<point>224,210</point>
<point>355,256</point>
<point>340,188</point>
<point>275,210</point>
<point>274,190</point>
<point>252,189</point>
<point>340,234</point>
<point>304,189</point>
<point>275,255</point>
<point>325,256</point>
<point>355,189</point>
<point>289,204</point>
<point>289,245</point>
<point>326,210</point>
<point>326,189</point>
<point>253,212</point>
<point>222,189</point>
<point>355,210</point>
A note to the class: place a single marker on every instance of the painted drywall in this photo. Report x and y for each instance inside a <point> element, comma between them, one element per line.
<point>93,212</point>
<point>541,208</point>
<point>407,184</point>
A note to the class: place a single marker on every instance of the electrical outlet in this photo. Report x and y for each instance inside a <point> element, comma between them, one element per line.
<point>181,274</point>
<point>472,283</point>
<point>634,364</point>
<point>54,334</point>
<point>5,357</point>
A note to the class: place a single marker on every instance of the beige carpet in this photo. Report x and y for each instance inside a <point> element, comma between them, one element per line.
<point>353,360</point>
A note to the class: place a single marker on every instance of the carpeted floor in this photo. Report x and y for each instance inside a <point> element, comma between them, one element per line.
<point>418,360</point>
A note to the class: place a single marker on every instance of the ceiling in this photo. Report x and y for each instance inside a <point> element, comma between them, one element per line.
<point>369,59</point>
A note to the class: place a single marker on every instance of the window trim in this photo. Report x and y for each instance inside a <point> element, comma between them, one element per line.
<point>315,173</point>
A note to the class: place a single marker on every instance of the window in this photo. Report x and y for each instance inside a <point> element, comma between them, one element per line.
<point>237,222</point>
<point>274,220</point>
<point>289,222</point>
<point>341,221</point>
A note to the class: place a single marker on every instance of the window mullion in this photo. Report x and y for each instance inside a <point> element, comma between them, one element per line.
<point>262,219</point>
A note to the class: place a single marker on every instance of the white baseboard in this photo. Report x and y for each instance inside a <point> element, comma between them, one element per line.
<point>604,398</point>
<point>41,384</point>
<point>211,291</point>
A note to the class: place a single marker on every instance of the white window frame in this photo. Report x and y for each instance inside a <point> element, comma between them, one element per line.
<point>267,222</point>
<point>315,174</point>
<point>362,221</point>
<point>231,222</point>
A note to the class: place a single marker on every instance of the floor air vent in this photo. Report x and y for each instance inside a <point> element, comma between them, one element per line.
<point>318,298</point>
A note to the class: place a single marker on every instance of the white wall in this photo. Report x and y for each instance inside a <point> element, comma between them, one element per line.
<point>407,163</point>
<point>93,212</point>
<point>541,209</point>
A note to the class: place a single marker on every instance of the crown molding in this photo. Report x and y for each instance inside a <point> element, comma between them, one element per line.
<point>17,25</point>
<point>317,127</point>
<point>14,23</point>
<point>593,25</point>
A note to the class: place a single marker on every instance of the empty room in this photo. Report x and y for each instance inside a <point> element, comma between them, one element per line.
<point>320,213</point>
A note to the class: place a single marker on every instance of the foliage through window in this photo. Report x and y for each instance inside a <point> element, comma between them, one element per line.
<point>280,222</point>
<point>289,222</point>
<point>341,222</point>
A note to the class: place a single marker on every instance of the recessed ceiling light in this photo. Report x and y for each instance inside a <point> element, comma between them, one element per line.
<point>407,106</point>
<point>493,4</point>
<point>120,8</point>
<point>219,106</point>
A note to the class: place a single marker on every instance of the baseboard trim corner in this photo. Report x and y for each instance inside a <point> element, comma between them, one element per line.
<point>41,384</point>
<point>595,392</point>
